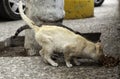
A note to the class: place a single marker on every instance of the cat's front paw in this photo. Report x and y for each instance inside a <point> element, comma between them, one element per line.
<point>55,64</point>
<point>69,65</point>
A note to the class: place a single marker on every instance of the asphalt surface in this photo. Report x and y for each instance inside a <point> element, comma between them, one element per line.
<point>105,20</point>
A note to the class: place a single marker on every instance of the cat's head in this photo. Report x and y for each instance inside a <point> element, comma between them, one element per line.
<point>99,50</point>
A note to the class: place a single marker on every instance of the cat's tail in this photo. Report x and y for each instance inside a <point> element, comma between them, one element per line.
<point>26,19</point>
<point>24,27</point>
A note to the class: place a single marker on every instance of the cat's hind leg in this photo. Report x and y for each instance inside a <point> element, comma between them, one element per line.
<point>76,61</point>
<point>46,55</point>
<point>41,52</point>
<point>50,61</point>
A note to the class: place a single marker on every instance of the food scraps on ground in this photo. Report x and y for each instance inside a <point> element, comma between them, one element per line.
<point>109,61</point>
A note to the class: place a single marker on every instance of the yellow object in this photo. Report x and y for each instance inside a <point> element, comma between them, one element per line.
<point>77,9</point>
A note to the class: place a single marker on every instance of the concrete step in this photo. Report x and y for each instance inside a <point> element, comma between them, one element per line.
<point>34,68</point>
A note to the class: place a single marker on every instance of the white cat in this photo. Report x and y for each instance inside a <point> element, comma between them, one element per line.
<point>53,38</point>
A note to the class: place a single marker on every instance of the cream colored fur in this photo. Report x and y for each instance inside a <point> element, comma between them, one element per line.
<point>59,39</point>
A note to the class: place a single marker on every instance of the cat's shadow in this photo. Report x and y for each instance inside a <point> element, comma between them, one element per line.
<point>83,62</point>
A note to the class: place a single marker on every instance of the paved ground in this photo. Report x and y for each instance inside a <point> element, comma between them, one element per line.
<point>34,68</point>
<point>106,20</point>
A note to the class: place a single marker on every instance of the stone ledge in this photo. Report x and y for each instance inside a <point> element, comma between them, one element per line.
<point>19,40</point>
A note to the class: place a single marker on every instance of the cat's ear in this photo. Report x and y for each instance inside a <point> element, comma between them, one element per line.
<point>99,45</point>
<point>99,40</point>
